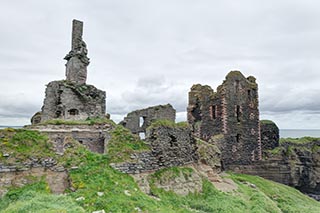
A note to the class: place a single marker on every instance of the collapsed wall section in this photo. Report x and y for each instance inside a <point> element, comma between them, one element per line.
<point>70,101</point>
<point>170,146</point>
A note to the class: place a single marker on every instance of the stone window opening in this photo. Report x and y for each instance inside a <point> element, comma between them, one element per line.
<point>73,112</point>
<point>142,135</point>
<point>173,141</point>
<point>141,121</point>
<point>213,112</point>
<point>238,138</point>
<point>58,113</point>
<point>238,113</point>
<point>249,95</point>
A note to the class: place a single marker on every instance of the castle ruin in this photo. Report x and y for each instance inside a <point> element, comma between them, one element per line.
<point>233,112</point>
<point>73,99</point>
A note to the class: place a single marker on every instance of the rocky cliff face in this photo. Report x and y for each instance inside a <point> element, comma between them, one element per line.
<point>294,163</point>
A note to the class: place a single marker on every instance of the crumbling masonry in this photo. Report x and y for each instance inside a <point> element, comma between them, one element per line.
<point>73,99</point>
<point>231,111</point>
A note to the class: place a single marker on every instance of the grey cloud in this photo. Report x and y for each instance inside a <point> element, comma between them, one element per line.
<point>150,52</point>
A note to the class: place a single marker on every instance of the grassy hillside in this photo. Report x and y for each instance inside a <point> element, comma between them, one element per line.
<point>96,186</point>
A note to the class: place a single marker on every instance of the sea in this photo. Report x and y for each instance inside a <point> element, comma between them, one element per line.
<point>284,133</point>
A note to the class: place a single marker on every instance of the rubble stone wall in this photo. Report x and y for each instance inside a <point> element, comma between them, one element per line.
<point>170,146</point>
<point>70,101</point>
<point>139,120</point>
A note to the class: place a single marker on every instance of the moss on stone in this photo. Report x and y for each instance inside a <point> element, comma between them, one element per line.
<point>19,145</point>
<point>168,123</point>
<point>266,122</point>
<point>123,144</point>
<point>303,140</point>
<point>88,121</point>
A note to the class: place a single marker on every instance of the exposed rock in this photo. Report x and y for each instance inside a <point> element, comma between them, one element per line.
<point>181,183</point>
<point>293,164</point>
<point>269,135</point>
<point>180,180</point>
<point>36,118</point>
<point>209,154</point>
<point>139,120</point>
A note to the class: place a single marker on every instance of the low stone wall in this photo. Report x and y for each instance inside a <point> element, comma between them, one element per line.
<point>170,146</point>
<point>18,175</point>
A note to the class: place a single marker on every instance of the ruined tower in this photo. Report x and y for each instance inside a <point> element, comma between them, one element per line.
<point>233,112</point>
<point>73,99</point>
<point>77,59</point>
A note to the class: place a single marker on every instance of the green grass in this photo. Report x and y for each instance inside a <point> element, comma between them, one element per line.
<point>88,121</point>
<point>286,198</point>
<point>302,140</point>
<point>23,144</point>
<point>121,194</point>
<point>171,173</point>
<point>123,144</point>
<point>168,123</point>
<point>37,198</point>
<point>266,122</point>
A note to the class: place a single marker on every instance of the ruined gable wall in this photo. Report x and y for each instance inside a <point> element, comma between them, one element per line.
<point>148,115</point>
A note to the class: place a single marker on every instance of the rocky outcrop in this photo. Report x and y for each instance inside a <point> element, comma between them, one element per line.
<point>291,163</point>
<point>269,135</point>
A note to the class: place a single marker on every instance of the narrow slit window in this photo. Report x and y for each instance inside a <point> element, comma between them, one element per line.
<point>238,137</point>
<point>213,112</point>
<point>141,121</point>
<point>238,113</point>
<point>73,112</point>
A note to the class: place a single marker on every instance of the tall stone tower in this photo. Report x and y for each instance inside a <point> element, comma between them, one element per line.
<point>73,99</point>
<point>233,112</point>
<point>77,59</point>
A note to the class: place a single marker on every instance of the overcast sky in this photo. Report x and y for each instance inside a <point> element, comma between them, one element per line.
<point>149,52</point>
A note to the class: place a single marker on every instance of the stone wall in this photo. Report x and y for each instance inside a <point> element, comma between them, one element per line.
<point>94,137</point>
<point>170,146</point>
<point>20,174</point>
<point>231,111</point>
<point>70,101</point>
<point>138,121</point>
